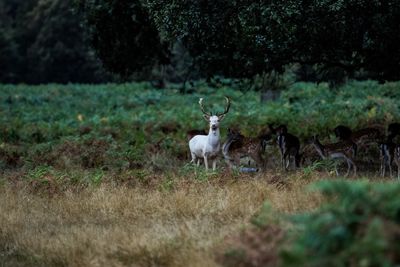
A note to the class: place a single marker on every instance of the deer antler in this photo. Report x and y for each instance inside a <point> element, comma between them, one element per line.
<point>202,107</point>
<point>228,105</point>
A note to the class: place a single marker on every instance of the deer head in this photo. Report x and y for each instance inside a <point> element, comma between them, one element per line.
<point>281,129</point>
<point>214,120</point>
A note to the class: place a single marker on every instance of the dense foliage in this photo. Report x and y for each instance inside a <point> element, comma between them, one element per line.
<point>43,41</point>
<point>359,226</point>
<point>126,126</point>
<point>244,38</point>
<point>124,36</point>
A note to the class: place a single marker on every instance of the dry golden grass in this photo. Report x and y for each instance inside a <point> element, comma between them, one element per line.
<point>120,226</point>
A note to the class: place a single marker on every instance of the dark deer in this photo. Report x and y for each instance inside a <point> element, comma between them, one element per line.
<point>289,145</point>
<point>394,129</point>
<point>390,152</point>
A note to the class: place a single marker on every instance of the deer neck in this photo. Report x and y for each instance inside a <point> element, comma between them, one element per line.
<point>320,149</point>
<point>213,137</point>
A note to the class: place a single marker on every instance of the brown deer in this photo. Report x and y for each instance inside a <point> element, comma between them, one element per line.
<point>360,137</point>
<point>343,149</point>
<point>289,146</point>
<point>208,146</point>
<point>238,146</point>
<point>367,135</point>
<point>342,132</point>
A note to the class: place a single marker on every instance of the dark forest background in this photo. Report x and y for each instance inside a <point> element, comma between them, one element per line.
<point>43,42</point>
<point>96,41</point>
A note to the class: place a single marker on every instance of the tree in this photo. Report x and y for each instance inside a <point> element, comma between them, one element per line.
<point>349,35</point>
<point>59,50</point>
<point>242,38</point>
<point>42,41</point>
<point>10,67</point>
<point>214,33</point>
<point>124,36</point>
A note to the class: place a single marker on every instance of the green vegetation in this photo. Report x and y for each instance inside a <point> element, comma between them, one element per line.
<point>99,175</point>
<point>131,126</point>
<point>357,225</point>
<point>82,163</point>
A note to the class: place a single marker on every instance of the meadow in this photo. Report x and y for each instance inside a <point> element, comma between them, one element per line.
<point>99,174</point>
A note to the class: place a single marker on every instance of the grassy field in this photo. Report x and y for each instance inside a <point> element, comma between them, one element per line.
<point>99,175</point>
<point>121,226</point>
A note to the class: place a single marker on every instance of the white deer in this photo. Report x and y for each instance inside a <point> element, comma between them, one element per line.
<point>208,146</point>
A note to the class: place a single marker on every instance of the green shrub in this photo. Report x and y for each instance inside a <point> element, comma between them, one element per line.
<point>358,226</point>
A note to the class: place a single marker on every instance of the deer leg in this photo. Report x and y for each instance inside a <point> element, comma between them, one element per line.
<point>348,166</point>
<point>336,169</point>
<point>398,170</point>
<point>294,158</point>
<point>384,169</point>
<point>230,164</point>
<point>286,160</point>
<point>256,156</point>
<point>237,160</point>
<point>297,159</point>
<point>261,161</point>
<point>390,160</point>
<point>282,159</point>
<point>214,164</point>
<point>384,160</point>
<point>194,157</point>
<point>353,165</point>
<point>339,156</point>
<point>206,162</point>
<point>397,161</point>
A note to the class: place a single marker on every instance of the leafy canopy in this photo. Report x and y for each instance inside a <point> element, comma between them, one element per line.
<point>243,38</point>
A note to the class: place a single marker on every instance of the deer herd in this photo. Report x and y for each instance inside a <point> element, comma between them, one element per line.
<point>207,147</point>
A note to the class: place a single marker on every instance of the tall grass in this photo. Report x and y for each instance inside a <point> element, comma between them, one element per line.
<point>121,226</point>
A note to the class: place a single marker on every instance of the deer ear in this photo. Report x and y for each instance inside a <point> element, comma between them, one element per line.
<point>207,118</point>
<point>221,117</point>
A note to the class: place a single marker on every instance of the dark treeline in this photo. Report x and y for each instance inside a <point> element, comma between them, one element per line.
<point>43,41</point>
<point>84,41</point>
